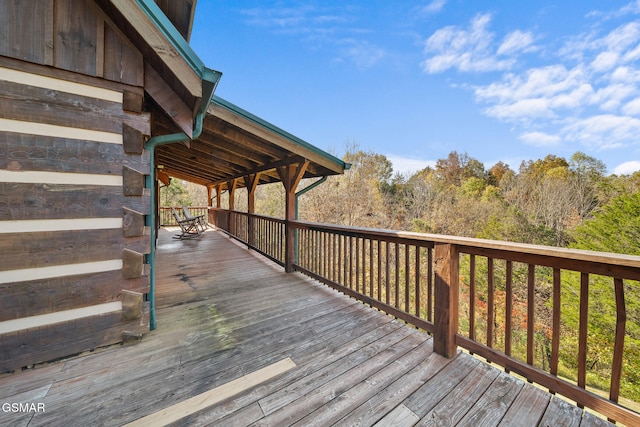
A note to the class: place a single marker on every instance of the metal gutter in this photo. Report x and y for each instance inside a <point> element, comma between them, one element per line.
<point>210,79</point>
<point>278,131</point>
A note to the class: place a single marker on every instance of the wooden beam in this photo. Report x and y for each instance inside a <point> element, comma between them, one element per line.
<point>168,100</point>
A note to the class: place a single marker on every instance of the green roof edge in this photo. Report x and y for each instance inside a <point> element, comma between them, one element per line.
<point>279,131</point>
<point>172,34</point>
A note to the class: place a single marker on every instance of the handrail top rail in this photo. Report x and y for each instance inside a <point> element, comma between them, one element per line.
<point>524,248</point>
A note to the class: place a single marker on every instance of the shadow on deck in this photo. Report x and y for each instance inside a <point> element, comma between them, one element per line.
<point>240,342</point>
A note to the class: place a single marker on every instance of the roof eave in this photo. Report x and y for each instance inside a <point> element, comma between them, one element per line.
<point>231,113</point>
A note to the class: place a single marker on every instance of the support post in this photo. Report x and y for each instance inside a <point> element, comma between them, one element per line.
<point>290,176</point>
<point>251,182</point>
<point>231,186</point>
<point>446,266</point>
<point>218,196</point>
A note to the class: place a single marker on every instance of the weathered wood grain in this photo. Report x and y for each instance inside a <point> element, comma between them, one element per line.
<point>46,153</point>
<point>58,340</point>
<point>132,182</point>
<point>54,201</point>
<point>491,406</point>
<point>433,391</point>
<point>527,408</point>
<point>57,73</point>
<point>42,105</point>
<point>561,413</point>
<point>456,404</point>
<point>29,250</point>
<point>24,31</point>
<point>32,298</point>
<point>400,416</point>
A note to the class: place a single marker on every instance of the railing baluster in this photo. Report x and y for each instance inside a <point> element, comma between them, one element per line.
<point>583,329</point>
<point>418,281</point>
<point>430,284</point>
<point>472,296</point>
<point>371,268</point>
<point>379,270</point>
<point>387,268</point>
<point>508,308</point>
<point>555,333</point>
<point>531,291</point>
<point>407,278</point>
<point>490,302</point>
<point>357,254</point>
<point>618,349</point>
<point>397,284</point>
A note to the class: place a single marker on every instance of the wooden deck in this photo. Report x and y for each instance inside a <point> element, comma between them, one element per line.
<point>239,342</point>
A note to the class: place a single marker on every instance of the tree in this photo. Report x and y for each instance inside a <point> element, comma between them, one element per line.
<point>614,228</point>
<point>175,194</point>
<point>355,198</point>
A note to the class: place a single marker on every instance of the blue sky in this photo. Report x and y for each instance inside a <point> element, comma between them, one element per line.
<point>414,80</point>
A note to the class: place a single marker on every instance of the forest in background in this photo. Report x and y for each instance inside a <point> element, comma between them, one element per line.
<point>551,201</point>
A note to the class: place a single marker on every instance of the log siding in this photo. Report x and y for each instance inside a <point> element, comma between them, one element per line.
<point>69,257</point>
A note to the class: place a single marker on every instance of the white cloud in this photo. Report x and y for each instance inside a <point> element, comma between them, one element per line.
<point>523,109</point>
<point>362,53</point>
<point>435,6</point>
<point>632,108</point>
<point>627,168</point>
<point>465,49</point>
<point>611,97</point>
<point>604,131</point>
<point>605,61</point>
<point>515,42</point>
<point>408,166</point>
<point>588,94</point>
<point>540,139</point>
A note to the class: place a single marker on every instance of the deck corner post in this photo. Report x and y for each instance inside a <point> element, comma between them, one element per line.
<point>446,267</point>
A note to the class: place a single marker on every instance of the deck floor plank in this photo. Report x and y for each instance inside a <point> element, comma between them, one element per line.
<point>225,312</point>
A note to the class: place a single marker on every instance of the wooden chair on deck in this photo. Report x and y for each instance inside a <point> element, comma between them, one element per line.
<point>202,220</point>
<point>189,227</point>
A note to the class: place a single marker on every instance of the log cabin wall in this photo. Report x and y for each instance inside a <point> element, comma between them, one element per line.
<point>72,196</point>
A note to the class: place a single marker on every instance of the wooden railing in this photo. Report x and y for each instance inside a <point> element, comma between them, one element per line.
<point>488,297</point>
<point>267,235</point>
<point>167,219</point>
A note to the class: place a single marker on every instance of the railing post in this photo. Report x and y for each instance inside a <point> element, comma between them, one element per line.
<point>446,267</point>
<point>290,175</point>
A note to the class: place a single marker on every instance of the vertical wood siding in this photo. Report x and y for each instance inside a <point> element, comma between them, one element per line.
<point>71,35</point>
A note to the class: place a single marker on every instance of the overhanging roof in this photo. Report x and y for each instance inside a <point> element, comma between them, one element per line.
<point>235,143</point>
